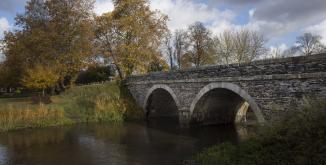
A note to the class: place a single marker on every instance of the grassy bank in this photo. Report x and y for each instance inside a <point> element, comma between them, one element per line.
<point>300,139</point>
<point>93,103</point>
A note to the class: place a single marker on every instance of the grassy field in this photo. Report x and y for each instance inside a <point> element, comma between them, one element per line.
<point>92,103</point>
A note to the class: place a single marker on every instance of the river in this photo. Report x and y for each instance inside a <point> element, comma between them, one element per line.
<point>133,143</point>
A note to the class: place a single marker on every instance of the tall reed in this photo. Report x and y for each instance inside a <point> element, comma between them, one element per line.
<point>12,117</point>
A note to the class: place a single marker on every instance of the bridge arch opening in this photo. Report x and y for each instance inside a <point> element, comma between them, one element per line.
<point>224,103</point>
<point>161,106</point>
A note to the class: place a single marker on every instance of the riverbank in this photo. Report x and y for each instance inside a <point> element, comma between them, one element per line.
<point>107,102</point>
<point>299,139</point>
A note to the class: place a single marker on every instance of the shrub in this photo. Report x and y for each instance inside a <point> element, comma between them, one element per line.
<point>296,140</point>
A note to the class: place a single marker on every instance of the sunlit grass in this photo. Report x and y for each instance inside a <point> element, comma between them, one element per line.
<point>92,103</point>
<point>13,117</point>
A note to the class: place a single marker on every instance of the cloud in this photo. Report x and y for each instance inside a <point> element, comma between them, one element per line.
<point>278,17</point>
<point>103,6</point>
<point>276,51</point>
<point>291,10</point>
<point>252,12</point>
<point>237,3</point>
<point>318,29</point>
<point>4,26</point>
<point>184,12</point>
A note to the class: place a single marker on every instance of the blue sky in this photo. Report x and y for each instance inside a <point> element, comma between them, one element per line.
<point>280,21</point>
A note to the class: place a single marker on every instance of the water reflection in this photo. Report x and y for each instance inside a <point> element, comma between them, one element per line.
<point>155,142</point>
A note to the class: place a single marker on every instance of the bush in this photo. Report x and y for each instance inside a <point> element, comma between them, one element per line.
<point>296,140</point>
<point>95,74</point>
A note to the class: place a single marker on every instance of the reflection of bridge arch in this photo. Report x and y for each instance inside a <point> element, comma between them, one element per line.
<point>163,100</point>
<point>233,88</point>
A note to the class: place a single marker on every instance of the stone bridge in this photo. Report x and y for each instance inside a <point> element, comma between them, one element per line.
<point>261,90</point>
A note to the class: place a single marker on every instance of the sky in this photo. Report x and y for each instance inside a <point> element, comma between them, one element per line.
<point>280,21</point>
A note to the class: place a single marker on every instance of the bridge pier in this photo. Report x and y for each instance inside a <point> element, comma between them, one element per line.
<point>184,117</point>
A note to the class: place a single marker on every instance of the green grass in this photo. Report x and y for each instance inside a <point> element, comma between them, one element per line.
<point>93,103</point>
<point>300,139</point>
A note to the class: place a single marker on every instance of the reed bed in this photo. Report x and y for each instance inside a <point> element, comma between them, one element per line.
<point>93,103</point>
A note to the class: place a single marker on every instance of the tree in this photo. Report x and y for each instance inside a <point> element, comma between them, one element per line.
<point>130,35</point>
<point>180,46</point>
<point>158,65</point>
<point>72,35</point>
<point>248,45</point>
<point>169,49</point>
<point>309,44</point>
<point>200,44</point>
<point>39,78</point>
<point>56,33</point>
<point>224,47</point>
<point>96,73</point>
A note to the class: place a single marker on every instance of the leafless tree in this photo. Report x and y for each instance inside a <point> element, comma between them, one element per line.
<point>224,47</point>
<point>169,49</point>
<point>180,46</point>
<point>248,45</point>
<point>309,44</point>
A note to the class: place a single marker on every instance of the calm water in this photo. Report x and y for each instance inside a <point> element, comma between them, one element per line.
<point>127,144</point>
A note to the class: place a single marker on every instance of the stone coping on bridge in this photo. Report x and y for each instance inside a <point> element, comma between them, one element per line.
<point>233,79</point>
<point>284,68</point>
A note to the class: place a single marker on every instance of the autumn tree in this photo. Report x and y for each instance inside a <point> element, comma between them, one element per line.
<point>200,46</point>
<point>130,35</point>
<point>56,33</point>
<point>39,78</point>
<point>72,35</point>
<point>309,44</point>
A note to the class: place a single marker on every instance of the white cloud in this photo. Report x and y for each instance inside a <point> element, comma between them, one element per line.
<point>276,51</point>
<point>103,6</point>
<point>318,29</point>
<point>184,12</point>
<point>283,47</point>
<point>4,25</point>
<point>252,12</point>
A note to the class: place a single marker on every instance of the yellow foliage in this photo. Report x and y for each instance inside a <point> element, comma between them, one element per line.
<point>39,78</point>
<point>130,35</point>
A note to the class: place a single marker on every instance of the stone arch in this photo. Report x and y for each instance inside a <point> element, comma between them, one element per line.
<point>234,88</point>
<point>160,86</point>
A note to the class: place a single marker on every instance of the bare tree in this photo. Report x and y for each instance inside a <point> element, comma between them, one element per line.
<point>169,49</point>
<point>257,46</point>
<point>275,53</point>
<point>241,45</point>
<point>248,45</point>
<point>224,47</point>
<point>180,46</point>
<point>309,44</point>
<point>200,43</point>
